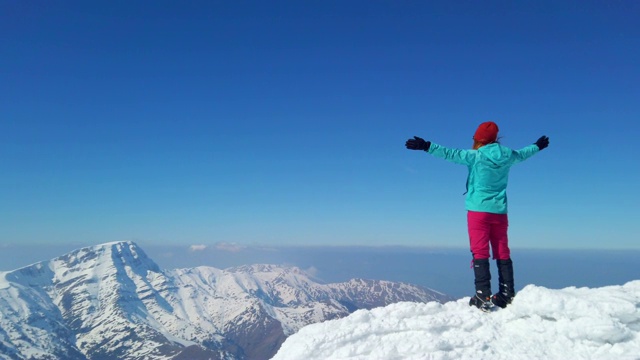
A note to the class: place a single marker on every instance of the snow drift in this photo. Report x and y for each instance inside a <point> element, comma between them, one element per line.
<point>571,323</point>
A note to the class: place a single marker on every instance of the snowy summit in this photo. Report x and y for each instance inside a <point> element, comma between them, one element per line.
<point>571,323</point>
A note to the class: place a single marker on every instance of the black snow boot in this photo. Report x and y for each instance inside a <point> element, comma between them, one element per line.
<point>506,292</point>
<point>482,297</point>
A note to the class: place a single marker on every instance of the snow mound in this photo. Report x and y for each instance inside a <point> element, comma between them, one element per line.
<point>571,323</point>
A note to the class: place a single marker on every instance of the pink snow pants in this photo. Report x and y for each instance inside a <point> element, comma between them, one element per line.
<point>488,228</point>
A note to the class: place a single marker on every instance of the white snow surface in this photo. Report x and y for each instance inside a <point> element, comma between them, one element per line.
<point>570,323</point>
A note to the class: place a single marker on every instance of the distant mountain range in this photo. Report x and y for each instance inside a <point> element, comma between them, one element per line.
<point>111,301</point>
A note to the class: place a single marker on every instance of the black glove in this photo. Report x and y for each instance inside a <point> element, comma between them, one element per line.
<point>543,142</point>
<point>417,144</point>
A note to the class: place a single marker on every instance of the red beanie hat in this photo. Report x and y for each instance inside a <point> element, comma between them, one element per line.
<point>487,133</point>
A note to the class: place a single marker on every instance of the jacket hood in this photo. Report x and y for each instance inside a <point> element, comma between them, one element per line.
<point>495,154</point>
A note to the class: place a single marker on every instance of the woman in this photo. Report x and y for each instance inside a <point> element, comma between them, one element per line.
<point>486,203</point>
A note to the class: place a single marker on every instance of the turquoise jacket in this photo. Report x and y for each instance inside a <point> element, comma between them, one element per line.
<point>488,173</point>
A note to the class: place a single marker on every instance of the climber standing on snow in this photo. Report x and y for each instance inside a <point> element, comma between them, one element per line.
<point>486,203</point>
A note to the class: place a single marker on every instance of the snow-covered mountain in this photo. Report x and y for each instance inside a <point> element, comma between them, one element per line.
<point>113,302</point>
<point>571,323</point>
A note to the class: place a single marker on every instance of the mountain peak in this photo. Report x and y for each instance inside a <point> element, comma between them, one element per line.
<point>117,253</point>
<point>124,244</point>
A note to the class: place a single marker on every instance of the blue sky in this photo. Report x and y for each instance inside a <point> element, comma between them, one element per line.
<point>284,122</point>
